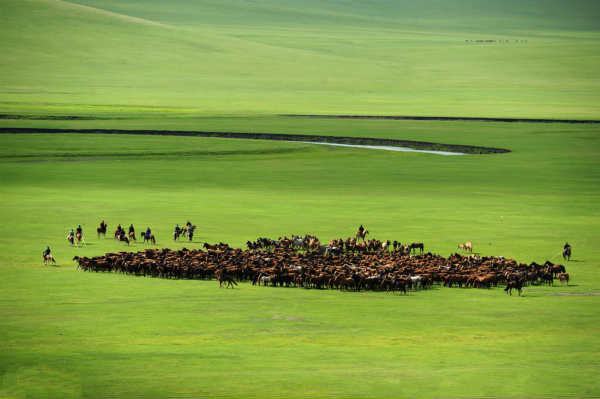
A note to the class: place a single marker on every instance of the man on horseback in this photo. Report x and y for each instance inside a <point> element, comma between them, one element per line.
<point>131,229</point>
<point>361,230</point>
<point>79,230</point>
<point>177,229</point>
<point>47,251</point>
<point>148,232</point>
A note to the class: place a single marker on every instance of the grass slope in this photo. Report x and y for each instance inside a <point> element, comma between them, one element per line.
<point>321,57</point>
<point>73,334</point>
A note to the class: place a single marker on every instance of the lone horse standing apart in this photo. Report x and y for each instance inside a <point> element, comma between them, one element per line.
<point>566,253</point>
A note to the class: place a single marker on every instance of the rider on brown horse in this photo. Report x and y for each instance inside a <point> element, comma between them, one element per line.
<point>47,251</point>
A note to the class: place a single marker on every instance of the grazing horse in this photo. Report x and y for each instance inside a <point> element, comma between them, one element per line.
<point>149,238</point>
<point>563,277</point>
<point>467,246</point>
<point>102,229</point>
<point>362,235</point>
<point>566,253</point>
<point>49,258</point>
<point>417,245</point>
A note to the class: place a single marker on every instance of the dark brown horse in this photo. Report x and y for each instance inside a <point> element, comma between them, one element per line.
<point>566,253</point>
<point>123,237</point>
<point>516,284</point>
<point>417,245</point>
<point>102,229</point>
<point>223,277</point>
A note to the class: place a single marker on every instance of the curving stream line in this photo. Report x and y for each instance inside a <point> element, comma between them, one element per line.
<point>383,147</point>
<point>359,142</point>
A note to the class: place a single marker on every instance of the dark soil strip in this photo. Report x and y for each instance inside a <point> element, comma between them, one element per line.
<point>444,118</point>
<point>419,145</point>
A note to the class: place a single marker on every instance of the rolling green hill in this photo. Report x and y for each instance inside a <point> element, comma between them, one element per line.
<point>268,57</point>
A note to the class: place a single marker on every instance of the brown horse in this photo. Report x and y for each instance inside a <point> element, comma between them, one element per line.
<point>80,239</point>
<point>362,235</point>
<point>514,284</point>
<point>417,245</point>
<point>223,277</point>
<point>49,258</point>
<point>123,237</point>
<point>132,236</point>
<point>149,238</point>
<point>563,277</point>
<point>71,239</point>
<point>566,253</point>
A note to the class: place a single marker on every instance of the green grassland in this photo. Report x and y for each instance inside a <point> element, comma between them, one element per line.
<point>269,57</point>
<point>233,65</point>
<point>69,333</point>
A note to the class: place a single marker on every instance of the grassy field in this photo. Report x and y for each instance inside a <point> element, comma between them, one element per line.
<point>69,333</point>
<point>269,57</point>
<point>234,65</point>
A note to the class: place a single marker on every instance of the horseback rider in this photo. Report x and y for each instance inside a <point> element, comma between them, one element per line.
<point>148,232</point>
<point>177,229</point>
<point>131,229</point>
<point>47,251</point>
<point>567,246</point>
<point>188,224</point>
<point>361,229</point>
<point>79,229</point>
<point>71,233</point>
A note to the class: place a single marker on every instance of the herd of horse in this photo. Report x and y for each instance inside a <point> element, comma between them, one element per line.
<point>283,264</point>
<point>335,246</point>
